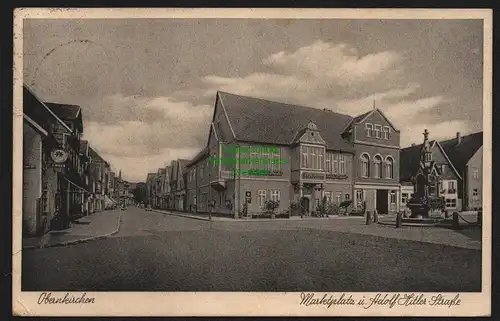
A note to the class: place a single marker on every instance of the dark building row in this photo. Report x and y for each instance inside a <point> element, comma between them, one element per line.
<point>64,178</point>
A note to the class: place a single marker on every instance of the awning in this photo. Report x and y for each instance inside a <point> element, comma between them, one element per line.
<point>74,183</point>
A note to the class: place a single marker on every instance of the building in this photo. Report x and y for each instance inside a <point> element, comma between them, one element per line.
<point>376,143</point>
<point>315,154</point>
<point>459,166</point>
<point>85,161</point>
<point>40,172</point>
<point>73,192</point>
<point>100,170</point>
<point>150,181</point>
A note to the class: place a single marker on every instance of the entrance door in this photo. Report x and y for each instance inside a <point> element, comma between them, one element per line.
<point>305,203</point>
<point>382,201</point>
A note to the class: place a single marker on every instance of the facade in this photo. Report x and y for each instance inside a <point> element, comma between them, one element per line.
<point>150,196</point>
<point>466,154</point>
<point>310,155</point>
<point>447,182</point>
<point>40,175</point>
<point>85,161</point>
<point>73,193</point>
<point>376,172</point>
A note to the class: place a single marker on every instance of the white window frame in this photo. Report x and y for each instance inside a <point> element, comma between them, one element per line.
<point>387,132</point>
<point>475,172</point>
<point>321,161</point>
<point>404,198</point>
<point>275,195</point>
<point>389,174</point>
<point>368,129</point>
<point>451,202</point>
<point>377,129</point>
<point>328,163</point>
<point>304,157</point>
<point>261,197</point>
<point>365,159</point>
<point>335,167</point>
<point>392,196</point>
<point>313,157</point>
<point>342,165</point>
<point>338,197</point>
<point>452,185</point>
<point>377,161</point>
<point>475,194</point>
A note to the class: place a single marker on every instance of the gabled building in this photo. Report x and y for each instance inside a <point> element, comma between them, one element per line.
<point>466,154</point>
<point>446,176</point>
<point>76,192</point>
<point>307,154</point>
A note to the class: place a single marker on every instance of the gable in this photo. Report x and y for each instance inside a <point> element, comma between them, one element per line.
<point>377,117</point>
<point>311,137</point>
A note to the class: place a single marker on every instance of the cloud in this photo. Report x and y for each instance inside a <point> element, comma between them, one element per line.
<point>438,131</point>
<point>176,125</point>
<point>135,168</point>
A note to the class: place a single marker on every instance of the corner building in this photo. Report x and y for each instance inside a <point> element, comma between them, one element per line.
<point>318,153</point>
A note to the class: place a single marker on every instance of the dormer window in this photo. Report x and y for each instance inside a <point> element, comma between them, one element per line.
<point>428,157</point>
<point>368,129</point>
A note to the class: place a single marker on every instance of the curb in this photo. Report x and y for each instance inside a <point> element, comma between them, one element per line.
<point>181,215</point>
<point>255,219</point>
<point>93,238</point>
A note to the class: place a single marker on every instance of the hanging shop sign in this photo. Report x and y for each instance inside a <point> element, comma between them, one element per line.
<point>59,156</point>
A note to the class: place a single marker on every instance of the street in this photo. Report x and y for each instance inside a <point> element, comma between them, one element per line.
<point>157,252</point>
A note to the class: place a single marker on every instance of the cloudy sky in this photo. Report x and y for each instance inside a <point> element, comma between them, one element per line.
<point>147,86</point>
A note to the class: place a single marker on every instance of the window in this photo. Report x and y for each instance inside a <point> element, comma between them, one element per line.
<point>377,166</point>
<point>475,194</point>
<point>261,194</point>
<point>338,197</point>
<point>387,132</point>
<point>393,197</point>
<point>275,195</point>
<point>443,168</point>
<point>276,166</point>
<point>342,164</point>
<point>389,167</point>
<point>475,173</point>
<point>451,187</point>
<point>316,202</point>
<point>451,202</point>
<point>202,170</point>
<point>335,163</point>
<point>313,156</point>
<point>365,165</point>
<point>347,197</point>
<point>328,163</point>
<point>304,157</point>
<point>328,196</point>
<point>377,129</point>
<point>404,198</point>
<point>368,129</point>
<point>428,157</point>
<point>321,155</point>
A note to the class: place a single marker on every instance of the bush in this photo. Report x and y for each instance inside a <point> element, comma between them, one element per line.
<point>270,206</point>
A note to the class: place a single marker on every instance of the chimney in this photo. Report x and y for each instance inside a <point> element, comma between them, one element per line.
<point>459,138</point>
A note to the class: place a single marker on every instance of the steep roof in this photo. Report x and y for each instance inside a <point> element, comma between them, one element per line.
<point>95,156</point>
<point>150,176</point>
<point>183,163</point>
<point>409,162</point>
<point>268,122</point>
<point>460,154</point>
<point>202,153</point>
<point>64,111</point>
<point>83,146</point>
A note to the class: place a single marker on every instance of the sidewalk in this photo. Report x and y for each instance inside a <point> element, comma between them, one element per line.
<point>88,228</point>
<point>204,217</point>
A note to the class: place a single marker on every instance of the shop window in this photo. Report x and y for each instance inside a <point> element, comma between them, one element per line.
<point>451,202</point>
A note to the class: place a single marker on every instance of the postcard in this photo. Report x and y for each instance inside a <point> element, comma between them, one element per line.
<point>252,162</point>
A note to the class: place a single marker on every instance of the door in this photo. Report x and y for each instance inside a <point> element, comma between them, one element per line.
<point>382,201</point>
<point>305,203</point>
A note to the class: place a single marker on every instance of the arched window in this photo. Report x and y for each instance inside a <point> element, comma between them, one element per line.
<point>365,165</point>
<point>389,167</point>
<point>377,166</point>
